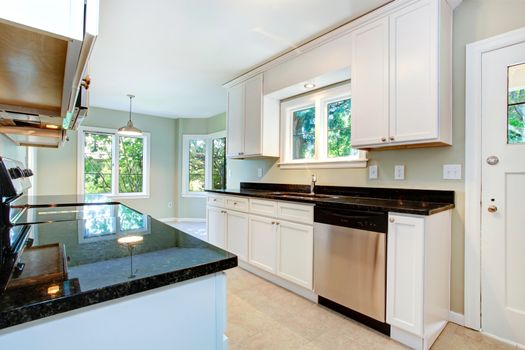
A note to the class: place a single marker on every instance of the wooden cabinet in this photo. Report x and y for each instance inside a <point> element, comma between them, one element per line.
<point>237,234</point>
<point>295,253</point>
<point>263,243</point>
<point>418,277</point>
<point>401,78</point>
<point>253,122</point>
<point>216,221</point>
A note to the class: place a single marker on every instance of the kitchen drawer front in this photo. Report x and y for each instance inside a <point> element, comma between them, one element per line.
<point>237,203</point>
<point>263,207</point>
<point>217,201</point>
<point>296,212</point>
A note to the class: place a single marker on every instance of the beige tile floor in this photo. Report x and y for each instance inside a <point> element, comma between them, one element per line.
<point>264,316</point>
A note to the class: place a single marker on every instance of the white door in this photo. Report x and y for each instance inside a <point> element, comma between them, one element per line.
<point>235,118</point>
<point>253,95</point>
<point>296,253</point>
<point>237,234</point>
<point>216,226</point>
<point>370,84</point>
<point>503,192</point>
<point>263,243</point>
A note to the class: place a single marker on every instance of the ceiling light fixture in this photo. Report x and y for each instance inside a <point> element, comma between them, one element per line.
<point>129,129</point>
<point>309,86</point>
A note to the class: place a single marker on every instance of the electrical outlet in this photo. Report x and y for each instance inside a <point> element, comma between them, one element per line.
<point>229,172</point>
<point>452,171</point>
<point>372,172</point>
<point>259,172</point>
<point>399,172</point>
<point>170,204</point>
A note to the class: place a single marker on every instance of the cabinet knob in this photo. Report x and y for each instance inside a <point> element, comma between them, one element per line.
<point>392,220</point>
<point>383,139</point>
<point>392,138</point>
<point>215,199</point>
<point>277,223</point>
<point>234,203</point>
<point>273,222</point>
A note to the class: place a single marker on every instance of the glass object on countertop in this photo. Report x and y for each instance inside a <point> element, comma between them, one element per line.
<point>303,132</point>
<point>339,129</point>
<point>516,104</point>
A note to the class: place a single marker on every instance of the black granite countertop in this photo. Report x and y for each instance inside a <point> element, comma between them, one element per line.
<point>410,201</point>
<point>99,266</point>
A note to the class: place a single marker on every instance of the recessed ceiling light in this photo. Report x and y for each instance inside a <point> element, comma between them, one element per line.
<point>309,86</point>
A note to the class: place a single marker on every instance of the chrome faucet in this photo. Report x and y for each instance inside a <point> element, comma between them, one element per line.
<point>312,185</point>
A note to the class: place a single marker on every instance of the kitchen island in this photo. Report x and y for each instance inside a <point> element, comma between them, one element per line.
<point>115,278</point>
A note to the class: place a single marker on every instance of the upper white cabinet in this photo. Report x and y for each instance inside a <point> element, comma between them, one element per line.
<point>253,124</point>
<point>401,77</point>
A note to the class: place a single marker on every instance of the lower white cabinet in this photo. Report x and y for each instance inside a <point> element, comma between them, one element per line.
<point>418,277</point>
<point>296,252</point>
<point>228,229</point>
<point>263,243</point>
<point>216,221</point>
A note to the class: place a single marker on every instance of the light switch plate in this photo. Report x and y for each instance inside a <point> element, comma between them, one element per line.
<point>399,172</point>
<point>372,172</point>
<point>259,172</point>
<point>452,171</point>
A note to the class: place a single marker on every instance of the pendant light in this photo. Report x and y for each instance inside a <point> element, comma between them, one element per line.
<point>129,129</point>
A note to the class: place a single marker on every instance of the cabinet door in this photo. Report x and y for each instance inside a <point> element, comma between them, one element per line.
<point>295,251</point>
<point>253,95</point>
<point>413,69</point>
<point>235,139</point>
<point>216,226</point>
<point>370,84</point>
<point>263,243</point>
<point>237,234</point>
<point>404,302</point>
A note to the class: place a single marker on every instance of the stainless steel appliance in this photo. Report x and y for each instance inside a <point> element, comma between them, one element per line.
<point>350,263</point>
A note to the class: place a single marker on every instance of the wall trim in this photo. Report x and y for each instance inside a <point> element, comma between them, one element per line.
<point>456,318</point>
<point>174,219</point>
<point>473,161</point>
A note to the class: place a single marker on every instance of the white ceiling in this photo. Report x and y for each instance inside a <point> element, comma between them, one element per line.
<point>174,55</point>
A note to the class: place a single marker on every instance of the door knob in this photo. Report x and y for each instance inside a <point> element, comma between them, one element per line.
<point>492,160</point>
<point>492,209</point>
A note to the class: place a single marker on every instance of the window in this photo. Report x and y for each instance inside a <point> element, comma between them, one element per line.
<point>113,165</point>
<point>317,129</point>
<point>516,104</point>
<point>204,163</point>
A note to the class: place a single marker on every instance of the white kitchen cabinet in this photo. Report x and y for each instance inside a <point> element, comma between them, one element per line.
<point>370,83</point>
<point>417,102</point>
<point>237,234</point>
<point>263,243</point>
<point>253,121</point>
<point>295,253</point>
<point>418,277</point>
<point>216,221</point>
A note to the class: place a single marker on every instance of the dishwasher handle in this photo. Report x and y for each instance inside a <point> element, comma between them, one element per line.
<point>358,219</point>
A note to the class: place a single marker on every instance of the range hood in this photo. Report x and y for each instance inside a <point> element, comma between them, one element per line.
<point>43,65</point>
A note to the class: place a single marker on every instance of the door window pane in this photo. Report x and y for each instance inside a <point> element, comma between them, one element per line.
<point>218,167</point>
<point>197,165</point>
<point>131,162</point>
<point>303,130</point>
<point>339,129</point>
<point>516,104</point>
<point>97,163</point>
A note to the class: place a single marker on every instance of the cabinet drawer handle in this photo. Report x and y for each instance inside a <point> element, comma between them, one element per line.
<point>392,220</point>
<point>383,139</point>
<point>391,138</point>
<point>223,211</point>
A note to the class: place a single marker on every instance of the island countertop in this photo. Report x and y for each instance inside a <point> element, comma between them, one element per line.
<point>98,266</point>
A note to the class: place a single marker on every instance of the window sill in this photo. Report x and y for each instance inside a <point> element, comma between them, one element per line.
<point>129,196</point>
<point>357,163</point>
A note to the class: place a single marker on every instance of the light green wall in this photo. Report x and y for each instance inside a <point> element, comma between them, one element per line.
<point>57,168</point>
<point>473,20</point>
<point>8,149</point>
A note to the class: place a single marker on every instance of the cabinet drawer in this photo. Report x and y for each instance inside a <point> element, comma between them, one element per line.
<point>263,207</point>
<point>296,212</point>
<point>237,203</point>
<point>218,201</point>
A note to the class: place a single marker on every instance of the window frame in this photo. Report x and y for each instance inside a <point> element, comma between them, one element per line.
<point>115,151</point>
<point>186,138</point>
<point>320,99</point>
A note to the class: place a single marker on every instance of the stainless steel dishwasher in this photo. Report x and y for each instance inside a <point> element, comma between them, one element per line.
<point>350,263</point>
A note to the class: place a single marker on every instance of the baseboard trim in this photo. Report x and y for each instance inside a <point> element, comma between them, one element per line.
<point>456,318</point>
<point>182,219</point>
